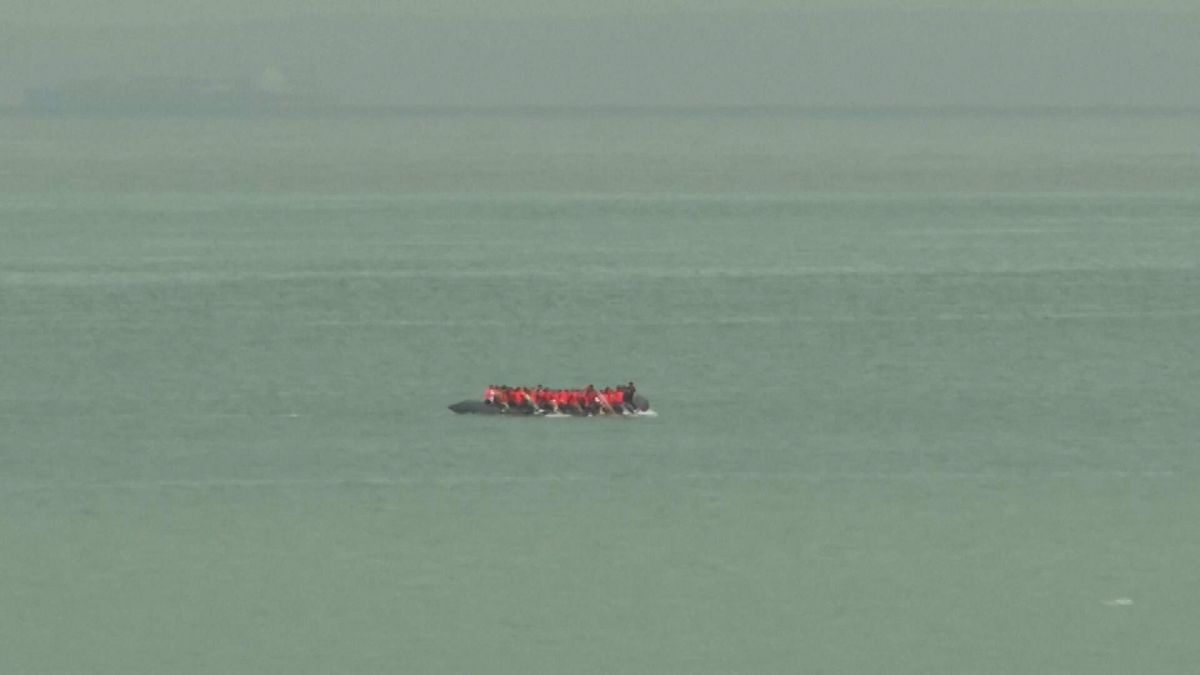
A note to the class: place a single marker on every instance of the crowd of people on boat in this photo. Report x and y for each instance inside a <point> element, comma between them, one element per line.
<point>616,400</point>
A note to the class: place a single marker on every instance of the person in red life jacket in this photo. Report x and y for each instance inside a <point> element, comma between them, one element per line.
<point>591,400</point>
<point>562,398</point>
<point>489,394</point>
<point>547,401</point>
<point>603,402</point>
<point>617,399</point>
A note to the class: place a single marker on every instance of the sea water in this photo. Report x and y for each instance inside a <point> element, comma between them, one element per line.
<point>926,386</point>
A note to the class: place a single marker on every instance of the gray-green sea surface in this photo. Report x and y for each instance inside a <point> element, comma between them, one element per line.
<point>926,386</point>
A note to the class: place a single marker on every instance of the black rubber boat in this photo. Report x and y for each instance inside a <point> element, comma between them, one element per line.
<point>641,406</point>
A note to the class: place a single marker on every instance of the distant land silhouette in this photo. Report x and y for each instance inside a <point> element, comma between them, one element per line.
<point>269,92</point>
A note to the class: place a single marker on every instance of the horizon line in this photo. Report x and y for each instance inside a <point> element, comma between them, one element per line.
<point>24,108</point>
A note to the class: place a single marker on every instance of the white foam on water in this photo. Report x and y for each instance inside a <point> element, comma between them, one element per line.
<point>1119,602</point>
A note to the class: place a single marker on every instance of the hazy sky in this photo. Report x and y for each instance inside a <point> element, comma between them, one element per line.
<point>479,52</point>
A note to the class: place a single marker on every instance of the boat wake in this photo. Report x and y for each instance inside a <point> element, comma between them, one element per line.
<point>563,416</point>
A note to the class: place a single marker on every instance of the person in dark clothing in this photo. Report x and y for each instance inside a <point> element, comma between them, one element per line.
<point>630,391</point>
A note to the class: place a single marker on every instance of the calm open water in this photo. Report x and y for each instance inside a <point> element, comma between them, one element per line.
<point>926,383</point>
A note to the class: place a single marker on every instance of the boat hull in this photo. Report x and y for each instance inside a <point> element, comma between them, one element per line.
<point>475,407</point>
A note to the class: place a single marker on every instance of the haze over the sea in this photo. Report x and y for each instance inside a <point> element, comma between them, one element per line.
<point>662,52</point>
